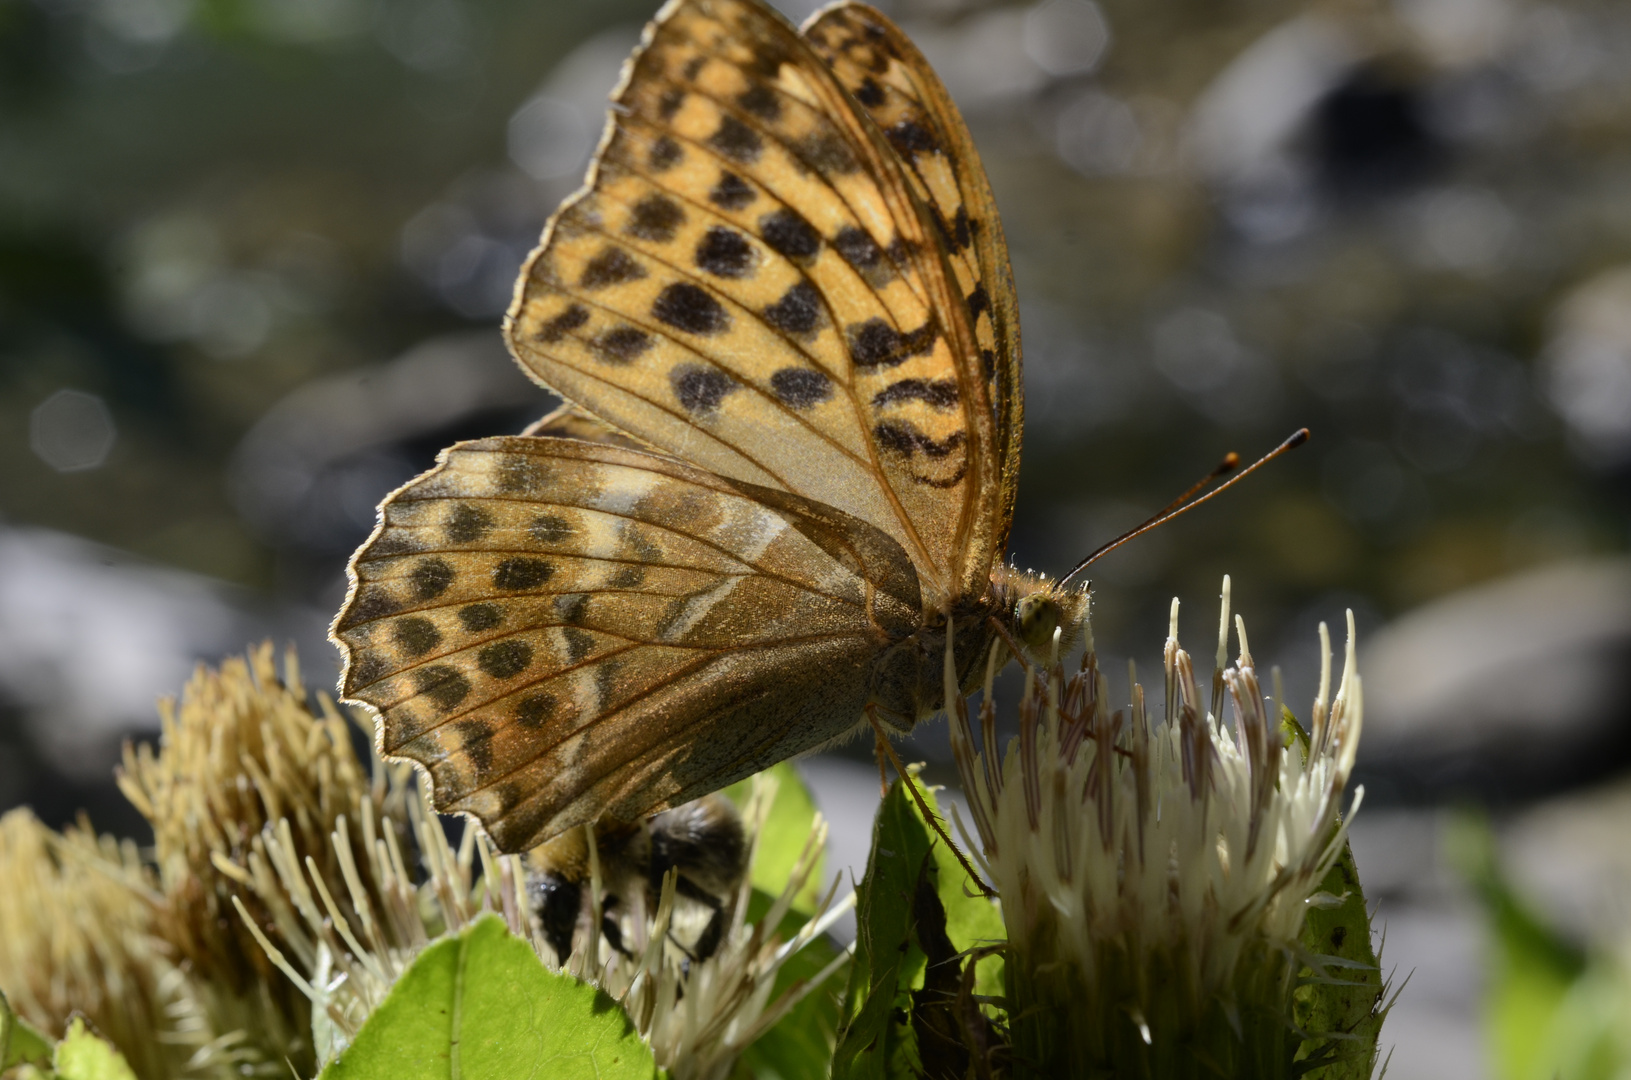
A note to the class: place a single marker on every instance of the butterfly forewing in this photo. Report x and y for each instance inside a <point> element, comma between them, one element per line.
<point>752,282</point>
<point>887,75</point>
<point>558,629</point>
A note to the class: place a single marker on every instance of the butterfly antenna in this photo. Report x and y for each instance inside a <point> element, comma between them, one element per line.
<point>1188,501</point>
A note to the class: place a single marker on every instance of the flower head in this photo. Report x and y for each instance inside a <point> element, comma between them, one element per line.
<point>76,914</point>
<point>700,1015</point>
<point>1154,876</point>
<point>345,917</point>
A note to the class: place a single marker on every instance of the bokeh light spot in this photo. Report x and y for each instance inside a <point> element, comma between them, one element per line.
<point>71,431</point>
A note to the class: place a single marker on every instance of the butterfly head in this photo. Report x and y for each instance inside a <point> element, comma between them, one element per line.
<point>1041,606</point>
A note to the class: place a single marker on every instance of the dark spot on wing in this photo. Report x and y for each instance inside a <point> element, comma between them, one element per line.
<point>430,578</point>
<point>372,602</point>
<point>579,643</point>
<point>768,57</point>
<point>787,233</point>
<point>863,253</point>
<point>869,93</point>
<point>801,387</point>
<point>905,439</point>
<point>612,266</point>
<point>573,608</point>
<point>670,102</point>
<point>665,154</point>
<point>988,362</point>
<point>443,684</point>
<point>468,524</point>
<point>519,473</point>
<point>693,67</point>
<point>655,218</point>
<point>910,137</point>
<point>517,573</point>
<point>533,710</point>
<point>478,617</point>
<point>395,542</point>
<point>962,229</point>
<point>505,659</point>
<point>936,393</point>
<point>761,101</point>
<point>874,343</point>
<point>621,344</point>
<point>732,192</point>
<point>691,308</point>
<point>700,389</point>
<point>979,300</point>
<point>827,153</point>
<point>737,141</point>
<point>475,743</point>
<point>799,313</point>
<point>550,529</point>
<point>416,636</point>
<point>606,673</point>
<point>365,671</point>
<point>555,329</point>
<point>725,253</point>
<point>628,577</point>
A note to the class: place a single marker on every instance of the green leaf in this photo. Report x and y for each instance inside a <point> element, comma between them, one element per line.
<point>786,830</point>
<point>1341,1008</point>
<point>20,1042</point>
<point>800,1046</point>
<point>1532,968</point>
<point>869,1036</point>
<point>971,919</point>
<point>480,1005</point>
<point>84,1055</point>
<point>876,1039</point>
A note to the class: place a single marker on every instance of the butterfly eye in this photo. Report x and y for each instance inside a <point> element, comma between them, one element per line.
<point>1035,617</point>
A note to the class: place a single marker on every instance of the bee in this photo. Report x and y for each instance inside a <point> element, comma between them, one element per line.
<point>703,840</point>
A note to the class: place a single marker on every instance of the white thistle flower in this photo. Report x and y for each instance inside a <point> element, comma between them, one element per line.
<point>347,947</point>
<point>1154,877</point>
<point>699,1016</point>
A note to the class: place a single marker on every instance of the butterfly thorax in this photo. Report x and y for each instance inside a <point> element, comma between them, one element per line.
<point>909,679</point>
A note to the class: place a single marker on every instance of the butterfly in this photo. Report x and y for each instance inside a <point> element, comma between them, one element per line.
<point>782,318</point>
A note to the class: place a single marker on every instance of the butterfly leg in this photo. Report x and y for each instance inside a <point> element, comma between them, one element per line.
<point>880,749</point>
<point>1013,646</point>
<point>923,807</point>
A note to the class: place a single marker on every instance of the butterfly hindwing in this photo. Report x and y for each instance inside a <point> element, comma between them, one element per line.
<point>559,630</point>
<point>753,282</point>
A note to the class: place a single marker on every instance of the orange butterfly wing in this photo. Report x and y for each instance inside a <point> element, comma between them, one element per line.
<point>887,75</point>
<point>559,629</point>
<point>752,281</point>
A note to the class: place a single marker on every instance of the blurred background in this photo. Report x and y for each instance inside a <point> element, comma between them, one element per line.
<point>253,256</point>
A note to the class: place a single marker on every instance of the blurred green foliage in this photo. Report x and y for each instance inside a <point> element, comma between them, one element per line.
<point>1552,1008</point>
